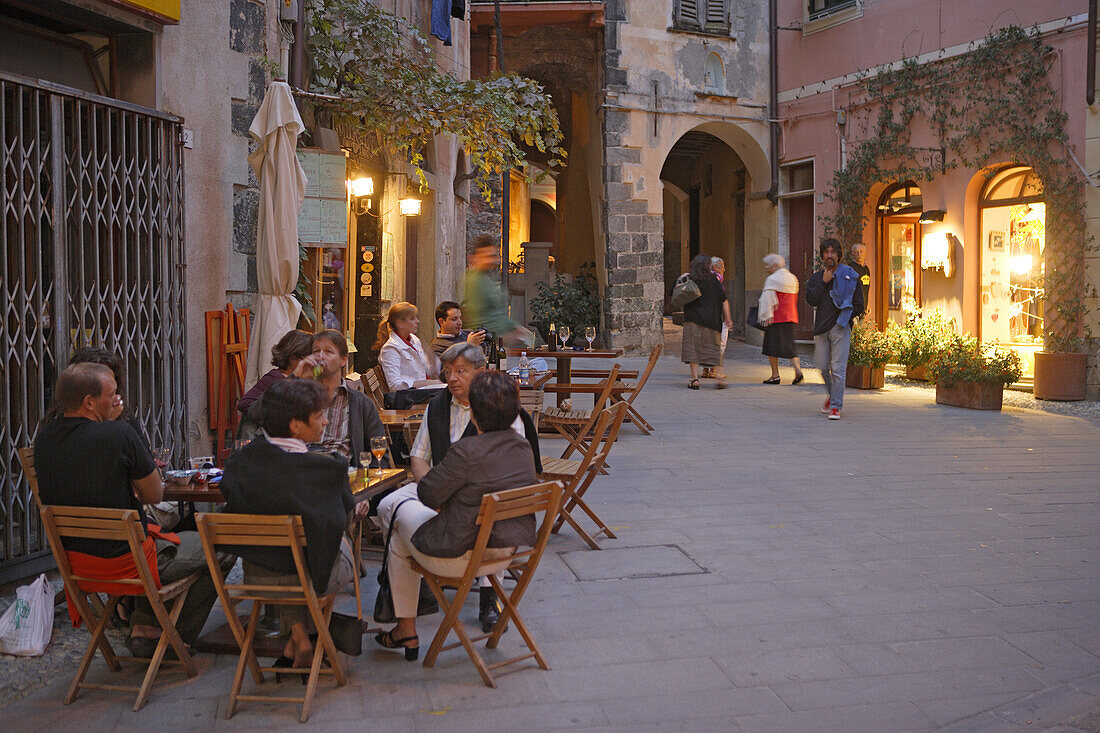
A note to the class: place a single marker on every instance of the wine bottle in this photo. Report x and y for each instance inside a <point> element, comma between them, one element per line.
<point>502,362</point>
<point>552,338</point>
<point>494,355</point>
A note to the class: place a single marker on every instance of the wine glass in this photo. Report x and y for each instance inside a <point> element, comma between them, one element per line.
<point>565,333</point>
<point>161,457</point>
<point>378,449</point>
<point>590,334</point>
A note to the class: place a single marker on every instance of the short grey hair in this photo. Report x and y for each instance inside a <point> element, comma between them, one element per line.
<point>774,260</point>
<point>464,350</point>
<point>859,245</point>
<point>716,261</point>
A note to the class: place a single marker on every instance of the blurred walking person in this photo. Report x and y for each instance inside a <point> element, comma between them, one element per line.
<point>836,294</point>
<point>777,313</point>
<point>703,319</point>
<point>485,305</point>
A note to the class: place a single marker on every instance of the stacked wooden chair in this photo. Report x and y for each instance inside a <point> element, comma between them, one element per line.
<point>285,531</point>
<point>578,475</point>
<point>520,564</point>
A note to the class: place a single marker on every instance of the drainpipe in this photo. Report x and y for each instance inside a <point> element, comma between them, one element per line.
<point>773,98</point>
<point>1090,59</point>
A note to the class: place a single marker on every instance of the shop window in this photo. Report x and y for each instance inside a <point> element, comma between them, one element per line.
<point>1013,217</point>
<point>898,260</point>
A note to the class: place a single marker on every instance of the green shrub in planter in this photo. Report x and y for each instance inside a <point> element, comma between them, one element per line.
<point>963,359</point>
<point>871,347</point>
<point>923,335</point>
<point>566,303</point>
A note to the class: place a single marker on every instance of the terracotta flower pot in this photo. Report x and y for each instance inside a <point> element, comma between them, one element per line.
<point>1060,376</point>
<point>919,373</point>
<point>863,377</point>
<point>972,395</point>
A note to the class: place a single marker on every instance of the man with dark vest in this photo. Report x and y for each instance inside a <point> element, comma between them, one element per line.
<point>447,420</point>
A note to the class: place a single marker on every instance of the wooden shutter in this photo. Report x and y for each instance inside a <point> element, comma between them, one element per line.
<point>716,12</point>
<point>688,12</point>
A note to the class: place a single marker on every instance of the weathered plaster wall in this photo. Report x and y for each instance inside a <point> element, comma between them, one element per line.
<point>654,83</point>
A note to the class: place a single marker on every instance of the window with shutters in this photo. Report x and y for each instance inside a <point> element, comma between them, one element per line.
<point>708,16</point>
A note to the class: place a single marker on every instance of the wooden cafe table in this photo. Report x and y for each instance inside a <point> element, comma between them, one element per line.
<point>564,359</point>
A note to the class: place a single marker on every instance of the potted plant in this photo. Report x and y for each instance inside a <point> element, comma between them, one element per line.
<point>1061,367</point>
<point>572,303</point>
<point>920,339</point>
<point>870,351</point>
<point>969,374</point>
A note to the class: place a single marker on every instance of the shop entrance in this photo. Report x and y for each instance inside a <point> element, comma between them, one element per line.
<point>1013,216</point>
<point>899,235</point>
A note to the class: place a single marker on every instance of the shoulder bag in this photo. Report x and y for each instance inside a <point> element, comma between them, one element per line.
<point>685,291</point>
<point>383,602</point>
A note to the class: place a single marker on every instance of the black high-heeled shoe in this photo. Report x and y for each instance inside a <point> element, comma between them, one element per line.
<point>386,641</point>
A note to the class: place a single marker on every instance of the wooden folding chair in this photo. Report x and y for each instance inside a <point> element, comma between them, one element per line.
<point>632,391</point>
<point>576,425</point>
<point>119,525</point>
<point>26,460</point>
<point>534,401</point>
<point>521,564</point>
<point>373,380</point>
<point>578,475</point>
<point>268,531</point>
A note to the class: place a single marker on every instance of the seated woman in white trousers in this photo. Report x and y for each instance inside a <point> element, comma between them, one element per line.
<point>436,519</point>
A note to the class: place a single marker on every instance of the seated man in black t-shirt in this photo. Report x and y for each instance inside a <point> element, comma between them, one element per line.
<point>85,458</point>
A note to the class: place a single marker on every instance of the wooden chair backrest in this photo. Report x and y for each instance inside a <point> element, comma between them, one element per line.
<point>26,460</point>
<point>100,524</point>
<point>612,419</point>
<point>374,387</point>
<point>654,355</point>
<point>380,375</point>
<point>253,530</point>
<point>534,401</point>
<point>608,386</point>
<point>512,503</point>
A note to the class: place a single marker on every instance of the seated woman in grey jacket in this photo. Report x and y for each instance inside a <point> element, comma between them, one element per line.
<point>435,521</point>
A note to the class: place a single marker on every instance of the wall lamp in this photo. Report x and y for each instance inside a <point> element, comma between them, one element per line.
<point>409,206</point>
<point>361,189</point>
<point>931,216</point>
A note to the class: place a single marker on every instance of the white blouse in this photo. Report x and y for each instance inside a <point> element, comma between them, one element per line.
<point>405,364</point>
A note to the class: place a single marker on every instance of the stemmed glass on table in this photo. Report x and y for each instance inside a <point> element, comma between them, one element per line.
<point>378,449</point>
<point>590,334</point>
<point>565,333</point>
<point>160,457</point>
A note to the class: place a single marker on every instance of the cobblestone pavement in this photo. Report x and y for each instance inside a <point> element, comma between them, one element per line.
<point>910,567</point>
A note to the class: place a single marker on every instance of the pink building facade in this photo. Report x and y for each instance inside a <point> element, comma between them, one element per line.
<point>978,256</point>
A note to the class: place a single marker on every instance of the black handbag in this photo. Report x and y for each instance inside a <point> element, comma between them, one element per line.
<point>752,319</point>
<point>383,602</point>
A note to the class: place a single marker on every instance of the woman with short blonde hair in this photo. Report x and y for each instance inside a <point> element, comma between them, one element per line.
<point>403,359</point>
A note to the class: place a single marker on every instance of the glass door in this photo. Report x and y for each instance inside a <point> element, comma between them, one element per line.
<point>901,247</point>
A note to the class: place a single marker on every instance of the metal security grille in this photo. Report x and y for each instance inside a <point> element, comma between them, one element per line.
<point>92,233</point>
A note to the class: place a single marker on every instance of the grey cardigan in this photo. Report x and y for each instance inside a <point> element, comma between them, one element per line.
<point>364,423</point>
<point>473,467</point>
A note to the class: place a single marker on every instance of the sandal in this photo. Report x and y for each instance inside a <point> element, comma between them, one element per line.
<point>797,379</point>
<point>772,380</point>
<point>693,384</point>
<point>386,641</point>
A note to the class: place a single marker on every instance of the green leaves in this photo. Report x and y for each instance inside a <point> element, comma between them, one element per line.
<point>388,81</point>
<point>963,359</point>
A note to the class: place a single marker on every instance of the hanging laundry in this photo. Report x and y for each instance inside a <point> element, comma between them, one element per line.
<point>458,9</point>
<point>441,20</point>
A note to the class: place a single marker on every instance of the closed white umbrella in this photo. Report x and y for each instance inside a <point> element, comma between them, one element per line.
<point>282,188</point>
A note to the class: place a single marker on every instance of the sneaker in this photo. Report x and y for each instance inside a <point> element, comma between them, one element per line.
<point>834,414</point>
<point>825,407</point>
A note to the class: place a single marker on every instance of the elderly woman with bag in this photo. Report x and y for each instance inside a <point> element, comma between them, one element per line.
<point>777,314</point>
<point>703,319</point>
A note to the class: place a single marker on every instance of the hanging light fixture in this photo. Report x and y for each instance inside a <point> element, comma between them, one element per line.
<point>931,216</point>
<point>409,206</point>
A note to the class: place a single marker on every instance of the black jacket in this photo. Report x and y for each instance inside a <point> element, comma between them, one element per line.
<point>817,294</point>
<point>262,478</point>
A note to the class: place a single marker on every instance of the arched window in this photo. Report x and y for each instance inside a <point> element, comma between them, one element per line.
<point>1013,220</point>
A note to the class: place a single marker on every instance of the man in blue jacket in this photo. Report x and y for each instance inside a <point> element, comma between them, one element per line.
<point>836,295</point>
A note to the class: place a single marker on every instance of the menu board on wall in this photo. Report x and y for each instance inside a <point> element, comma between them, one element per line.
<point>387,266</point>
<point>323,220</point>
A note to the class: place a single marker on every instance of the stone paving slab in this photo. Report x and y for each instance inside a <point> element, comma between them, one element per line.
<point>910,567</point>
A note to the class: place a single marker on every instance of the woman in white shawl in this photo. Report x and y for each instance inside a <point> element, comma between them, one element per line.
<point>777,314</point>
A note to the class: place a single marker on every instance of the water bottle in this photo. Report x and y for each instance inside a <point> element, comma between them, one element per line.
<point>524,369</point>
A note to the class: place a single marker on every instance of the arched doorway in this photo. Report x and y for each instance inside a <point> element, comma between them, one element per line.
<point>705,186</point>
<point>1013,221</point>
<point>898,253</point>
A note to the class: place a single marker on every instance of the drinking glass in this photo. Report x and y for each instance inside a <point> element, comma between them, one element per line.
<point>160,457</point>
<point>364,466</point>
<point>565,333</point>
<point>378,449</point>
<point>590,334</point>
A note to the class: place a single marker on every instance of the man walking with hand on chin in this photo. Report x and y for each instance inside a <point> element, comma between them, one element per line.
<point>836,295</point>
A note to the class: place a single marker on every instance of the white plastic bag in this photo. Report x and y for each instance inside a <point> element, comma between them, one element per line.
<point>26,627</point>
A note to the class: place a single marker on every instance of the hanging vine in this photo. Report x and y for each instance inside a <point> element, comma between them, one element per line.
<point>993,104</point>
<point>383,78</point>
